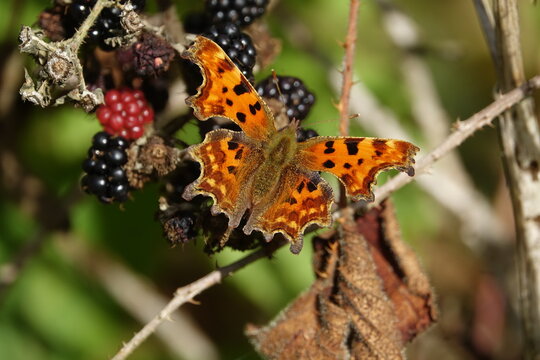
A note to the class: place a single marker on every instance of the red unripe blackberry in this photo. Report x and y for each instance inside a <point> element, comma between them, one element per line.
<point>238,12</point>
<point>297,98</point>
<point>125,113</point>
<point>104,176</point>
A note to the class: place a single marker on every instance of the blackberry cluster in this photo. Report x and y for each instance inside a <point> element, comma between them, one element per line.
<point>237,45</point>
<point>304,134</point>
<point>297,98</point>
<point>105,177</point>
<point>107,24</point>
<point>238,12</point>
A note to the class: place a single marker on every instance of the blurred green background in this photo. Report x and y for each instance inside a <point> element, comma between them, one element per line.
<point>62,304</point>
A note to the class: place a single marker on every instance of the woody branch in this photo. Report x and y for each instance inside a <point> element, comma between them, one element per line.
<point>519,133</point>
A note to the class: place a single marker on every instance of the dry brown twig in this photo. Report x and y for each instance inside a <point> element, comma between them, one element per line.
<point>187,293</point>
<point>464,129</point>
<point>519,132</point>
<point>450,184</point>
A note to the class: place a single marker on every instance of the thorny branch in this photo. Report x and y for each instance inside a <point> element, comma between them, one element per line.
<point>61,67</point>
<point>464,129</point>
<point>347,82</point>
<point>187,293</point>
<point>480,225</point>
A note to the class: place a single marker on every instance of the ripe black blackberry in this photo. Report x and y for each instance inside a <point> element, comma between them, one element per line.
<point>107,24</point>
<point>304,134</point>
<point>238,12</point>
<point>298,99</point>
<point>105,177</point>
<point>237,45</point>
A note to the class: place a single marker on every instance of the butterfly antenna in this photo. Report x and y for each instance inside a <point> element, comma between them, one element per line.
<point>275,80</point>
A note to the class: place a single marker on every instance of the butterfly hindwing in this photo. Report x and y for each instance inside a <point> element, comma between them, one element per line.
<point>302,198</point>
<point>227,160</point>
<point>356,161</point>
<point>226,92</point>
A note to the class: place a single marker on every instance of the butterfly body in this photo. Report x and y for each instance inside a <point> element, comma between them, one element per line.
<point>266,173</point>
<point>278,153</point>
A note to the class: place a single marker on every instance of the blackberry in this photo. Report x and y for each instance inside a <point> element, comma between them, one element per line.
<point>196,22</point>
<point>298,99</point>
<point>304,134</point>
<point>105,177</point>
<point>238,12</point>
<point>237,45</point>
<point>107,24</point>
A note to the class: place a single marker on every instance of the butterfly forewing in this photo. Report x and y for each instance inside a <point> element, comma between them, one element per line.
<point>226,92</point>
<point>356,161</point>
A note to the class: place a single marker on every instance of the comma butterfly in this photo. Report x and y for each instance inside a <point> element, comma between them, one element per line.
<point>265,171</point>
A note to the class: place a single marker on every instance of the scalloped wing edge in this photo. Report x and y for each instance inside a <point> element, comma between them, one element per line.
<point>408,169</point>
<point>297,242</point>
<point>191,190</point>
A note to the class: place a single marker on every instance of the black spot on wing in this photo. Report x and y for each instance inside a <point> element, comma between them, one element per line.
<point>378,153</point>
<point>300,187</point>
<point>257,106</point>
<point>252,109</point>
<point>229,102</point>
<point>329,164</point>
<point>347,165</point>
<point>231,169</point>
<point>224,89</point>
<point>291,201</point>
<point>239,153</point>
<point>311,186</point>
<point>241,117</point>
<point>240,89</point>
<point>360,161</point>
<point>220,70</point>
<point>352,147</point>
<point>231,145</point>
<point>329,144</point>
<point>329,150</point>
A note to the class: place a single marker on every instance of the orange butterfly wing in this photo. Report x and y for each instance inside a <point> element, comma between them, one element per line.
<point>356,161</point>
<point>226,92</point>
<point>227,161</point>
<point>302,199</point>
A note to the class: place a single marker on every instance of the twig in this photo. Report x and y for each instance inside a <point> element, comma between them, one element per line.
<point>188,292</point>
<point>347,82</point>
<point>479,221</point>
<point>348,62</point>
<point>519,133</point>
<point>464,129</point>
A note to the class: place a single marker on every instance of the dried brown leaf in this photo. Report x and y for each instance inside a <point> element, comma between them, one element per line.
<point>369,299</point>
